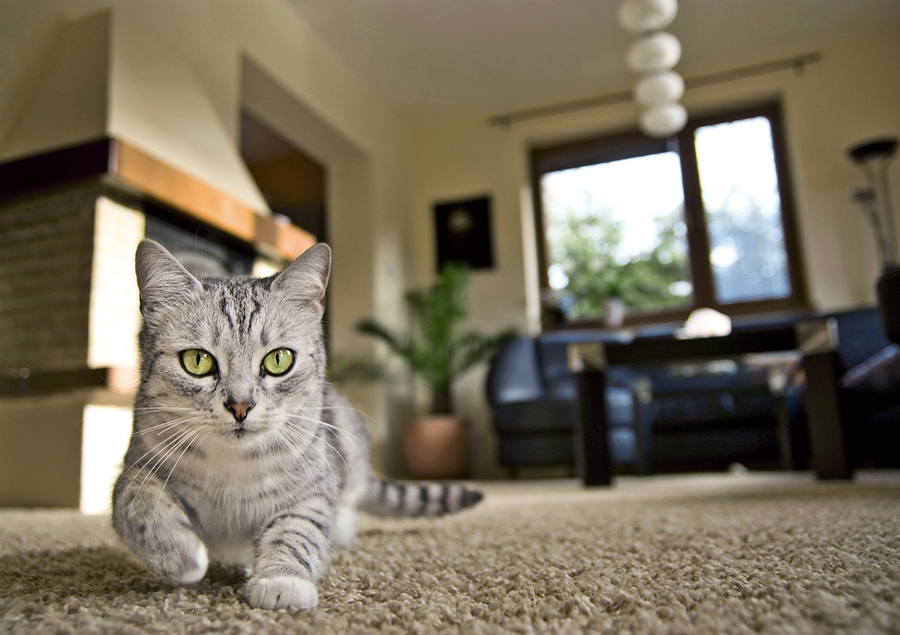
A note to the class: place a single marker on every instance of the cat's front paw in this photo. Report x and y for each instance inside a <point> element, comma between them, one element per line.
<point>283,592</point>
<point>181,561</point>
<point>193,571</point>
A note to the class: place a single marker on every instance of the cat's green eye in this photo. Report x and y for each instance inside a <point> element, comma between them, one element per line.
<point>197,362</point>
<point>279,361</point>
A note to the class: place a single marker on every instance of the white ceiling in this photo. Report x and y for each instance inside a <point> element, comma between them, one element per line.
<point>437,59</point>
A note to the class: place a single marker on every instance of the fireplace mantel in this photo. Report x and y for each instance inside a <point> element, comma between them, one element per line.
<point>127,166</point>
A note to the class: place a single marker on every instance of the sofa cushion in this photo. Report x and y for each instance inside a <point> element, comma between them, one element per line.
<point>877,376</point>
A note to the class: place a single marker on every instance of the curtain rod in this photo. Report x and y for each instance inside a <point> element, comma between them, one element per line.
<point>798,63</point>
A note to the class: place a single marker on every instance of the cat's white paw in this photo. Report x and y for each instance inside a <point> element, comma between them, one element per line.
<point>284,592</point>
<point>343,534</point>
<point>195,573</point>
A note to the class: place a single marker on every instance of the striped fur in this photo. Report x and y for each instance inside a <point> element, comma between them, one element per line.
<point>239,464</point>
<point>388,498</point>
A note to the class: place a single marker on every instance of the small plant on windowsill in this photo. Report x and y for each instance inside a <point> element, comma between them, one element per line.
<point>611,288</point>
<point>438,352</point>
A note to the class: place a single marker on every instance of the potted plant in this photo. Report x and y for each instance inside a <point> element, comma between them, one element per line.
<point>608,289</point>
<point>438,352</point>
<point>613,304</point>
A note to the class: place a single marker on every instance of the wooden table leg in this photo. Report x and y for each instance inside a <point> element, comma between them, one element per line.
<point>827,439</point>
<point>818,340</point>
<point>595,458</point>
<point>587,363</point>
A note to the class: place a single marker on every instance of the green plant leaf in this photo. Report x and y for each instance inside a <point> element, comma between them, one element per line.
<point>434,349</point>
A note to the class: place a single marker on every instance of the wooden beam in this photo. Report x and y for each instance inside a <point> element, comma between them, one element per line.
<point>153,177</point>
<point>129,166</point>
<point>180,190</point>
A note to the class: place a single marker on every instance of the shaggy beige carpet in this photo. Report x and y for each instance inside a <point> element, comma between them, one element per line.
<point>735,553</point>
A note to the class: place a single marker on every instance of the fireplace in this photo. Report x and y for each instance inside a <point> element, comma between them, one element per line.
<point>203,250</point>
<point>70,221</point>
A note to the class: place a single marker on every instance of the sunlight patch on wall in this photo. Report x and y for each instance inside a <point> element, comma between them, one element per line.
<point>105,434</point>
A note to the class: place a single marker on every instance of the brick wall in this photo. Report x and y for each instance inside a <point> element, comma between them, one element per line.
<point>46,248</point>
<point>68,293</point>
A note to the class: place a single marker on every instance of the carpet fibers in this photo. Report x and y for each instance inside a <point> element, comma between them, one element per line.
<point>726,553</point>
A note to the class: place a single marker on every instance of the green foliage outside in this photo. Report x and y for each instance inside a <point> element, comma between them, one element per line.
<point>588,247</point>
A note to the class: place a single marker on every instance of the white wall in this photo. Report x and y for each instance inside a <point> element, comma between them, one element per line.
<point>851,95</point>
<point>56,90</point>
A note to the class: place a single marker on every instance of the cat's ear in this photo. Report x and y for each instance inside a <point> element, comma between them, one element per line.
<point>305,279</point>
<point>161,279</point>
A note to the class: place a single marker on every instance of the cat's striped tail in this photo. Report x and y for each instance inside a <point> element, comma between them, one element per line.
<point>410,499</point>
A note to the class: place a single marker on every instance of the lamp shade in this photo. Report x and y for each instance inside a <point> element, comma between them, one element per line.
<point>659,89</point>
<point>653,53</point>
<point>639,16</point>
<point>663,120</point>
<point>873,149</point>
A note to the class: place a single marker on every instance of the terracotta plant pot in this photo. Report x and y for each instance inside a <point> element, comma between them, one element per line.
<point>437,447</point>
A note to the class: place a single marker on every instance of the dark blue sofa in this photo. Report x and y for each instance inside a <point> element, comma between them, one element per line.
<point>683,417</point>
<point>532,394</point>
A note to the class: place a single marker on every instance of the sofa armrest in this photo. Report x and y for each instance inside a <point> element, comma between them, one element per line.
<point>515,373</point>
<point>877,376</point>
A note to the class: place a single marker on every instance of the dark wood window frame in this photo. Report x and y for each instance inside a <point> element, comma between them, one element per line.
<point>633,144</point>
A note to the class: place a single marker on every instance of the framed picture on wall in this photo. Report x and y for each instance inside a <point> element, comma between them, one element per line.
<point>464,232</point>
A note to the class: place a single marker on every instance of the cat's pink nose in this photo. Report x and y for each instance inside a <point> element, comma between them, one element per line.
<point>240,410</point>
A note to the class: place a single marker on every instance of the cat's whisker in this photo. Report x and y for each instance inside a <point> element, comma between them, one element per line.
<point>363,443</point>
<point>352,409</point>
<point>165,425</point>
<point>329,465</point>
<point>187,445</point>
<point>322,423</point>
<point>166,439</point>
<point>292,442</point>
<point>169,451</point>
<point>139,464</point>
<point>320,451</point>
<point>309,437</point>
<point>160,452</point>
<point>349,409</point>
<point>334,449</point>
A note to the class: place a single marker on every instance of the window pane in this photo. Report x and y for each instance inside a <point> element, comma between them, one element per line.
<point>618,228</point>
<point>743,210</point>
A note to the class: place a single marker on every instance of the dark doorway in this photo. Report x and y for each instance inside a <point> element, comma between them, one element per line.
<point>292,182</point>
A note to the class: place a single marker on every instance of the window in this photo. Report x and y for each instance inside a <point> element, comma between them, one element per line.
<point>702,219</point>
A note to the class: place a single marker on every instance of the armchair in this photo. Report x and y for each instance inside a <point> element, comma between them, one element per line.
<point>865,380</point>
<point>533,397</point>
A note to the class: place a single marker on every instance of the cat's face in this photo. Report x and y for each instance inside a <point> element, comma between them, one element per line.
<point>237,358</point>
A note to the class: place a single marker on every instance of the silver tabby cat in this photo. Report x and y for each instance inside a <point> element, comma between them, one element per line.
<point>241,452</point>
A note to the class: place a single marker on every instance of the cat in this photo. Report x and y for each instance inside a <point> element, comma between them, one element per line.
<point>241,452</point>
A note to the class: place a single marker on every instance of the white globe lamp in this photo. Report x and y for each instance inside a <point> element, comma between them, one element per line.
<point>654,53</point>
<point>640,16</point>
<point>659,89</point>
<point>663,120</point>
<point>651,57</point>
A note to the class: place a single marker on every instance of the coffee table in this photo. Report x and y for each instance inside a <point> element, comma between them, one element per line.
<point>814,338</point>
